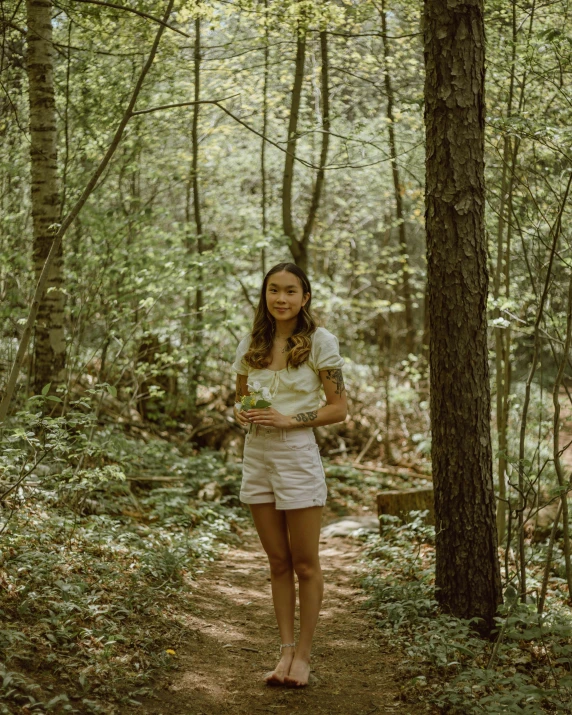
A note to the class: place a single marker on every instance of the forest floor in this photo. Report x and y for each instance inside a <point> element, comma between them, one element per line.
<point>220,671</point>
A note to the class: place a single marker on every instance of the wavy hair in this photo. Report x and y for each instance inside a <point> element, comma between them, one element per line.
<point>299,343</point>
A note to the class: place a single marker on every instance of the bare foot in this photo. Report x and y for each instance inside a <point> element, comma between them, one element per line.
<point>298,674</point>
<point>276,676</point>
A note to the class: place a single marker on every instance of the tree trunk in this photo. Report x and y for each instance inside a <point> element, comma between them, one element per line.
<point>49,344</point>
<point>397,188</point>
<point>467,568</point>
<point>298,249</point>
<point>319,183</point>
<point>263,141</point>
<point>195,365</point>
<point>503,336</point>
<point>556,443</point>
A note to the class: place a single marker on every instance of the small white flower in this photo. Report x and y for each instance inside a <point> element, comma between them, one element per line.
<point>265,394</point>
<point>255,387</point>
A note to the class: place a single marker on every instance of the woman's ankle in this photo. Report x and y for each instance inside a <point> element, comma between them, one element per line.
<point>302,655</point>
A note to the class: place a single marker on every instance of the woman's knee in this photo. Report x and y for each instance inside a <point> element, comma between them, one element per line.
<point>280,564</point>
<point>307,569</point>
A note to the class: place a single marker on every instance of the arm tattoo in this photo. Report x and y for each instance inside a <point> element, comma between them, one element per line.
<point>336,376</point>
<point>306,416</point>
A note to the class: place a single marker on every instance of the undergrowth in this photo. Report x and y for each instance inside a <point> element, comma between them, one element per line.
<point>93,564</point>
<point>446,664</point>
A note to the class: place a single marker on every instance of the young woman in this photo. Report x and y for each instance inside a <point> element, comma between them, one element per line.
<point>283,478</point>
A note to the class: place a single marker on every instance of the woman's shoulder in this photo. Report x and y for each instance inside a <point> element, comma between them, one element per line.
<point>244,343</point>
<point>325,347</point>
<point>321,335</point>
<point>325,353</point>
<point>239,364</point>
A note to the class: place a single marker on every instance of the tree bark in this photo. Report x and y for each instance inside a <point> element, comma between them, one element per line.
<point>50,343</point>
<point>467,568</point>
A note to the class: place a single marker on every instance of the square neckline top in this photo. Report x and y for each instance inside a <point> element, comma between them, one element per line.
<point>298,389</point>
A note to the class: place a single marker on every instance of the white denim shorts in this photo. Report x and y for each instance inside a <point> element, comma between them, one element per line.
<point>282,466</point>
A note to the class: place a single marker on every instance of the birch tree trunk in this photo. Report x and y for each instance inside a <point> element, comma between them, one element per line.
<point>467,567</point>
<point>49,344</point>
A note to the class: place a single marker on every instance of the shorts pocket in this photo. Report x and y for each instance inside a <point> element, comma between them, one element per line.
<point>298,439</point>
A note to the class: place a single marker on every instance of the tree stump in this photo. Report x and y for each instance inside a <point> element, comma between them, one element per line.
<point>399,502</point>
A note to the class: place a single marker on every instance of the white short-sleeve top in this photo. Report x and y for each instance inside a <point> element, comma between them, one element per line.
<point>294,389</point>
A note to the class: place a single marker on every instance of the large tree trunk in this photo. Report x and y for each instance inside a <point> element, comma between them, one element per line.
<point>49,343</point>
<point>467,572</point>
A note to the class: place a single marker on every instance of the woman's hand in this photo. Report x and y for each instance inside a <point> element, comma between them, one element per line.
<point>239,416</point>
<point>268,417</point>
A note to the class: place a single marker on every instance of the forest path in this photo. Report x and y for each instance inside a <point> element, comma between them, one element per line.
<point>235,641</point>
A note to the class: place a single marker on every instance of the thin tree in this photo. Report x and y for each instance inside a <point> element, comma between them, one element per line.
<point>299,244</point>
<point>49,344</point>
<point>263,140</point>
<point>297,250</point>
<point>397,184</point>
<point>193,314</point>
<point>511,147</point>
<point>467,569</point>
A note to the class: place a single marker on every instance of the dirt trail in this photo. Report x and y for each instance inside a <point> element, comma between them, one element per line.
<point>235,641</point>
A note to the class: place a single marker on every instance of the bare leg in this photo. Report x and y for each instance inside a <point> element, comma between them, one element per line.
<point>273,533</point>
<point>304,527</point>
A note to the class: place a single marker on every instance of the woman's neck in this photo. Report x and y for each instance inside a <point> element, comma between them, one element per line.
<point>286,330</point>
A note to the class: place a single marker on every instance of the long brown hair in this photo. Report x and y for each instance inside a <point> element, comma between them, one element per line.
<point>264,327</point>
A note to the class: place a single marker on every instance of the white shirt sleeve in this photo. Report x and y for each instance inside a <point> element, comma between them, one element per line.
<point>239,365</point>
<point>325,351</point>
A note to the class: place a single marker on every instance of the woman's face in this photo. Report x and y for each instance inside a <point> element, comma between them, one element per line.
<point>284,296</point>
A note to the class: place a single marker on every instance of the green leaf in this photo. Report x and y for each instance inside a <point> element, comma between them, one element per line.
<point>53,398</point>
<point>262,403</point>
<point>112,390</point>
<point>46,389</point>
